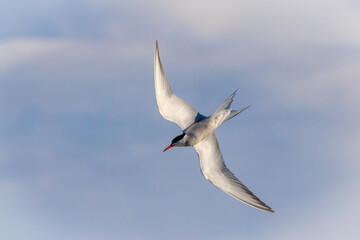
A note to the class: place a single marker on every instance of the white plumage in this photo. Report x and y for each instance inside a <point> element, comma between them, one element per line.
<point>198,131</point>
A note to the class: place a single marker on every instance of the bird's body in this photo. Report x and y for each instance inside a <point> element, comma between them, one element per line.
<point>198,131</point>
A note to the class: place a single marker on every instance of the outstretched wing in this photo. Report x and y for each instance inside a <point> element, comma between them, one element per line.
<point>216,172</point>
<point>170,106</point>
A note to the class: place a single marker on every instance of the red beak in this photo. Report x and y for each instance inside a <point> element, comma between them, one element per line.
<point>170,146</point>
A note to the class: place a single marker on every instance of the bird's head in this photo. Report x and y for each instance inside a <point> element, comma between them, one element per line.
<point>176,142</point>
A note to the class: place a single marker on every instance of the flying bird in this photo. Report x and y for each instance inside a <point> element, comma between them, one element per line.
<point>198,132</point>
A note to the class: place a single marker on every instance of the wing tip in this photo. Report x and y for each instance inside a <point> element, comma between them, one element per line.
<point>266,208</point>
<point>259,205</point>
<point>156,48</point>
<point>263,206</point>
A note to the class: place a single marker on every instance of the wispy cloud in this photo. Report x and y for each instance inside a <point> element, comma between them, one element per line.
<point>278,22</point>
<point>81,137</point>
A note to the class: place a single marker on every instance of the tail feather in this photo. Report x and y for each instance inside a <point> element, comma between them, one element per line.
<point>226,106</point>
<point>227,103</point>
<point>233,113</point>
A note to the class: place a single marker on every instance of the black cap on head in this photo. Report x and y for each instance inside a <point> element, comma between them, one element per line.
<point>178,138</point>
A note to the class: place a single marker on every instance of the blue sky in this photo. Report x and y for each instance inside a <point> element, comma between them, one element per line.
<point>81,138</point>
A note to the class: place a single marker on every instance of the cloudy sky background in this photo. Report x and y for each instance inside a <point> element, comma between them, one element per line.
<point>81,138</point>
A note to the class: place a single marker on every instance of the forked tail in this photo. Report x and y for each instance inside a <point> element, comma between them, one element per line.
<point>226,107</point>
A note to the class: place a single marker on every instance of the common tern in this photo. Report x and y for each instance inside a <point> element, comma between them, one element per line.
<point>198,132</point>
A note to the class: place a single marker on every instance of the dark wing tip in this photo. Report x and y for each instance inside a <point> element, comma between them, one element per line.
<point>157,50</point>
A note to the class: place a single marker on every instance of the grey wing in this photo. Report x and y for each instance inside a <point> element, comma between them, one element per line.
<point>216,172</point>
<point>170,106</point>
